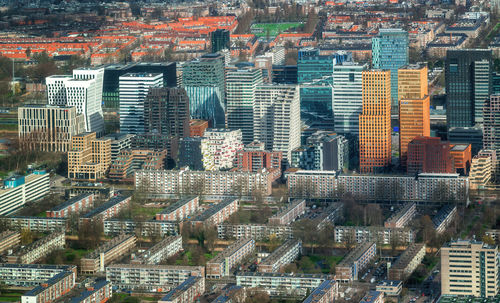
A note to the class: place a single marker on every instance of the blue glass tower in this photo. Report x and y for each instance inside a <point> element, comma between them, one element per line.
<point>390,51</point>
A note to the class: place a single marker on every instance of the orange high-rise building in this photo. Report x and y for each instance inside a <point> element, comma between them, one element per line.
<point>414,112</point>
<point>375,121</point>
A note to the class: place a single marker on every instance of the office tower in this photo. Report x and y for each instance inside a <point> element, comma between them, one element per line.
<point>204,81</point>
<point>390,51</point>
<point>219,147</point>
<point>284,74</point>
<point>414,106</point>
<point>375,121</point>
<point>468,86</point>
<point>220,40</point>
<point>191,153</point>
<point>429,155</point>
<point>112,73</point>
<point>240,88</point>
<point>83,90</point>
<point>48,128</point>
<point>166,111</point>
<point>134,88</point>
<point>347,96</point>
<point>469,268</point>
<point>491,136</point>
<point>89,158</point>
<point>277,118</point>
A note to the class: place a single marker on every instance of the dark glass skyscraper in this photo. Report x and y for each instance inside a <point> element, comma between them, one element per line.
<point>468,85</point>
<point>220,40</point>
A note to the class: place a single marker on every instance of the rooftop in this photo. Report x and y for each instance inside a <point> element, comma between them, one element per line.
<point>280,251</point>
<point>408,255</point>
<point>112,202</point>
<point>356,253</point>
<point>230,250</point>
<point>284,275</point>
<point>174,293</point>
<point>71,201</point>
<point>177,204</point>
<point>371,297</point>
<point>50,282</point>
<point>319,291</point>
<point>108,246</point>
<point>213,210</point>
<point>88,292</point>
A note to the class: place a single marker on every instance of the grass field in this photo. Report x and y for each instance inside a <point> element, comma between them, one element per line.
<point>10,297</point>
<point>262,29</point>
<point>145,211</point>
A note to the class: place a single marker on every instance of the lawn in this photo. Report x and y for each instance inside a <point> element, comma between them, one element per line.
<point>10,297</point>
<point>145,211</point>
<point>262,29</point>
<point>313,263</point>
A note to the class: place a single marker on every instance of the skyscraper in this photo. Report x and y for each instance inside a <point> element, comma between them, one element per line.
<point>468,85</point>
<point>491,139</point>
<point>375,121</point>
<point>414,106</point>
<point>347,97</point>
<point>390,51</point>
<point>220,39</point>
<point>277,118</point>
<point>134,88</point>
<point>204,81</point>
<point>240,88</point>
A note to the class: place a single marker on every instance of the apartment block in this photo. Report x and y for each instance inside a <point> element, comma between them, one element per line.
<point>180,210</point>
<point>229,292</point>
<point>373,296</point>
<point>281,283</point>
<point>219,146</point>
<point>253,157</point>
<point>114,249</point>
<point>17,190</point>
<point>99,291</point>
<point>402,216</point>
<point>355,262</point>
<point>107,210</point>
<point>89,158</point>
<point>383,235</point>
<point>52,289</point>
<point>74,205</point>
<point>407,262</point>
<point>35,224</point>
<point>213,183</point>
<point>390,288</point>
<point>469,268</point>
<point>150,277</point>
<point>326,292</point>
<point>119,142</point>
<point>482,169</point>
<point>330,214</point>
<point>38,249</point>
<point>9,239</point>
<point>48,128</point>
<point>288,214</point>
<point>30,275</point>
<point>221,265</point>
<point>444,218</point>
<point>283,255</point>
<point>255,231</point>
<point>217,214</point>
<point>130,160</point>
<point>375,122</point>
<point>187,291</point>
<point>148,228</point>
<point>163,250</point>
<point>303,183</point>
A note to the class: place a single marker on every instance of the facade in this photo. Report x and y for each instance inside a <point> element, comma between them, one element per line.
<point>429,155</point>
<point>478,260</point>
<point>414,106</point>
<point>9,239</point>
<point>17,190</point>
<point>402,217</point>
<point>444,218</point>
<point>390,52</point>
<point>288,214</point>
<point>468,85</point>
<point>134,88</point>
<point>407,262</point>
<point>277,118</point>
<point>114,249</point>
<point>481,171</point>
<point>216,214</point>
<point>326,292</point>
<point>467,135</point>
<point>355,262</point>
<point>373,296</point>
<point>107,210</point>
<point>219,183</point>
<point>52,289</point>
<point>347,97</point>
<point>379,234</point>
<point>204,81</point>
<point>255,231</point>
<point>130,160</point>
<point>461,154</point>
<point>163,250</point>
<point>76,205</point>
<point>218,148</point>
<point>35,224</point>
<point>282,256</point>
<point>240,89</point>
<point>304,183</point>
<point>197,127</point>
<point>281,283</point>
<point>219,40</point>
<point>375,122</point>
<point>38,249</point>
<point>119,142</point>
<point>83,90</point>
<point>48,128</point>
<point>187,291</point>
<point>99,291</point>
<point>31,275</point>
<point>191,155</point>
<point>150,228</point>
<point>179,210</point>
<point>89,158</point>
<point>221,265</point>
<point>491,134</point>
<point>390,288</point>
<point>253,157</point>
<point>150,277</point>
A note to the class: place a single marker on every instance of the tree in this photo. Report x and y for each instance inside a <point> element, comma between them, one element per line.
<point>26,236</point>
<point>428,231</point>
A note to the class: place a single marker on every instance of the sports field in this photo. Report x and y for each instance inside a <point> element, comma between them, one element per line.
<point>262,29</point>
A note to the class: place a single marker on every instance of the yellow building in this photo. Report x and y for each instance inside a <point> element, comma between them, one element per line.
<point>375,121</point>
<point>89,157</point>
<point>414,112</point>
<point>480,171</point>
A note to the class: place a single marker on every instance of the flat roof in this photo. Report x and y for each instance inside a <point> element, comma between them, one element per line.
<point>213,210</point>
<point>50,282</point>
<point>71,201</point>
<point>111,202</point>
<point>87,293</point>
<point>177,204</point>
<point>184,286</point>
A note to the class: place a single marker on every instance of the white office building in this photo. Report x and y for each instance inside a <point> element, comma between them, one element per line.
<point>347,97</point>
<point>134,88</point>
<point>17,190</point>
<point>277,118</point>
<point>240,94</point>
